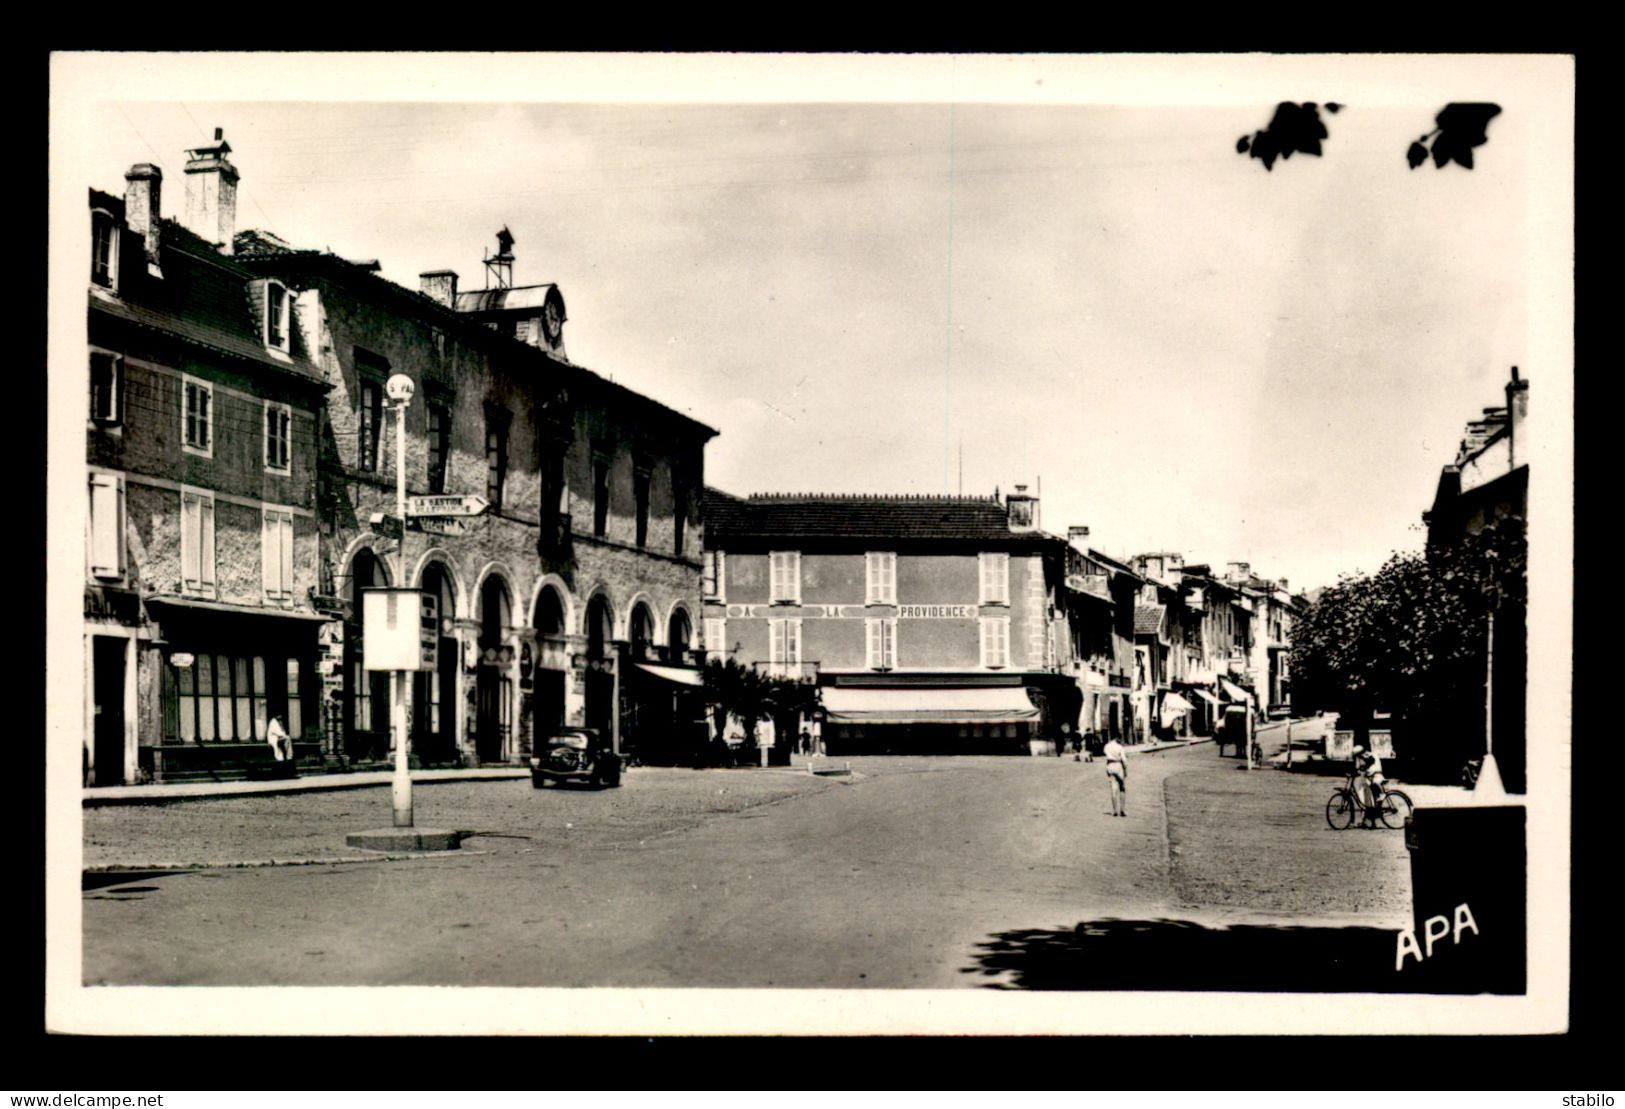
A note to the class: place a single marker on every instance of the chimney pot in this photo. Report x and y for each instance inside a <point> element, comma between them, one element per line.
<point>211,193</point>
<point>142,194</point>
<point>439,286</point>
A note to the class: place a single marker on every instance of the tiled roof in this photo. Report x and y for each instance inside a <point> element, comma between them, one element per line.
<point>1148,619</point>
<point>202,297</point>
<point>857,516</point>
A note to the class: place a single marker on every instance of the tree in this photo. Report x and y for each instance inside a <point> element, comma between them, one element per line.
<point>752,696</point>
<point>1410,640</point>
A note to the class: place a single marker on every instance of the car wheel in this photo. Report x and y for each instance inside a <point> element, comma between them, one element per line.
<point>537,781</point>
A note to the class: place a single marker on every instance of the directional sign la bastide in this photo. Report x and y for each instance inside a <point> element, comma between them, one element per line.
<point>447,504</point>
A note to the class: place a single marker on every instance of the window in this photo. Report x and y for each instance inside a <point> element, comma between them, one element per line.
<point>276,315</point>
<point>995,641</point>
<point>716,635</point>
<point>882,577</point>
<point>197,417</point>
<point>786,576</point>
<point>995,575</point>
<point>439,446</point>
<point>600,496</point>
<point>106,388</point>
<point>496,454</point>
<point>276,554</point>
<point>640,496</point>
<point>882,641</point>
<point>713,580</point>
<point>197,541</point>
<point>103,250</point>
<point>372,420</point>
<point>226,699</point>
<point>107,525</point>
<point>679,512</point>
<point>278,425</point>
<point>784,643</point>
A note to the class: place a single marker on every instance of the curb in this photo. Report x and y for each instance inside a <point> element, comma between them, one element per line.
<point>256,864</point>
<point>198,791</point>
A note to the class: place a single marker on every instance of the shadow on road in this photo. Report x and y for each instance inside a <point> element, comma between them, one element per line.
<point>1115,954</point>
<point>101,879</point>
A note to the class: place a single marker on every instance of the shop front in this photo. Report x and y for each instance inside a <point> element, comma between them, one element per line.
<point>919,719</point>
<point>225,672</point>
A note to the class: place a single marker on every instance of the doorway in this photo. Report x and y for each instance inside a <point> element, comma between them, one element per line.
<point>107,661</point>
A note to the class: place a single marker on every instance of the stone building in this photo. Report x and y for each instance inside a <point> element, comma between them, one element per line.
<point>931,623</point>
<point>202,472</point>
<point>243,491</point>
<point>573,597</point>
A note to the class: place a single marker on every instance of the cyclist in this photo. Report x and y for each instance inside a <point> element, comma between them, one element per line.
<point>1368,783</point>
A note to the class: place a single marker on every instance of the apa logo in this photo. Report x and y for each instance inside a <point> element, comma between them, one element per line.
<point>1407,939</point>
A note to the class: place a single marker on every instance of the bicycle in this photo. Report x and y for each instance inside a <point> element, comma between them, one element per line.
<point>1393,807</point>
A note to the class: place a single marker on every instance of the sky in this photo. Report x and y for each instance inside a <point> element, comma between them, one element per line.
<point>896,282</point>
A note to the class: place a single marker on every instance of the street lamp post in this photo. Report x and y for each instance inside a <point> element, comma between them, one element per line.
<point>400,388</point>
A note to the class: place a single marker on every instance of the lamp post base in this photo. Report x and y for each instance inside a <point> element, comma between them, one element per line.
<point>405,839</point>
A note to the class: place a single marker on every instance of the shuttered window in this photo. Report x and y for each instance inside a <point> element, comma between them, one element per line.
<point>995,641</point>
<point>276,554</point>
<point>882,643</point>
<point>716,635</point>
<point>881,569</point>
<point>995,577</point>
<point>197,542</point>
<point>784,641</point>
<point>786,576</point>
<point>106,525</point>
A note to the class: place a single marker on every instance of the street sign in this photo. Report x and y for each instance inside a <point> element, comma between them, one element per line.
<point>447,504</point>
<point>440,525</point>
<point>392,635</point>
<point>429,632</point>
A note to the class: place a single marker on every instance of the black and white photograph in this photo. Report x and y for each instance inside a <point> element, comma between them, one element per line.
<point>751,544</point>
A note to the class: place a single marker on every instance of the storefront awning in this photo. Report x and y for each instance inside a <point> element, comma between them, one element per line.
<point>1235,692</point>
<point>1205,694</point>
<point>997,705</point>
<point>1173,702</point>
<point>225,609</point>
<point>680,675</point>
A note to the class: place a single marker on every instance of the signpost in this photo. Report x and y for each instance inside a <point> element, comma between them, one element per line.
<point>447,504</point>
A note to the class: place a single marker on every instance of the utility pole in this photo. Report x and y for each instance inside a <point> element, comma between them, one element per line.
<point>399,388</point>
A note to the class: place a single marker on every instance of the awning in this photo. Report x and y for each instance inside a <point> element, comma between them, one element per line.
<point>1234,691</point>
<point>997,705</point>
<point>225,608</point>
<point>1173,702</point>
<point>679,674</point>
<point>1204,693</point>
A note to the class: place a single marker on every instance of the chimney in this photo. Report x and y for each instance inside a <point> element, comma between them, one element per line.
<point>1239,571</point>
<point>143,186</point>
<point>1021,510</point>
<point>1284,587</point>
<point>1517,412</point>
<point>1077,537</point>
<point>439,286</point>
<point>211,193</point>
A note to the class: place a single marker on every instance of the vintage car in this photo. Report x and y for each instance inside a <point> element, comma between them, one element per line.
<point>576,755</point>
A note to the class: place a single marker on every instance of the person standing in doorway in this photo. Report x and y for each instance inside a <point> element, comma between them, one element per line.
<point>1117,775</point>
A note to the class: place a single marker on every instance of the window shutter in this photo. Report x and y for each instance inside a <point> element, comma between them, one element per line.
<point>792,641</point>
<point>888,589</point>
<point>795,576</point>
<point>775,641</point>
<point>190,523</point>
<point>286,530</point>
<point>872,643</point>
<point>871,565</point>
<point>206,537</point>
<point>106,532</point>
<point>889,648</point>
<point>270,557</point>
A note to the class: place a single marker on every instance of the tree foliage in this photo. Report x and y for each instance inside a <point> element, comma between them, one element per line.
<point>1410,639</point>
<point>752,696</point>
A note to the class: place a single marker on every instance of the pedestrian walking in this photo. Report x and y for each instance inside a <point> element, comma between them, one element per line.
<point>1117,775</point>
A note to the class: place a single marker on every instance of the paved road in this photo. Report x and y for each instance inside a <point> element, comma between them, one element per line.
<point>917,873</point>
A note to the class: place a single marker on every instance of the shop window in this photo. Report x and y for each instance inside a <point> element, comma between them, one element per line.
<point>106,388</point>
<point>995,578</point>
<point>197,417</point>
<point>278,428</point>
<point>295,700</point>
<point>197,541</point>
<point>786,577</point>
<point>276,555</point>
<point>881,567</point>
<point>107,525</point>
<point>104,250</point>
<point>995,641</point>
<point>227,698</point>
<point>882,643</point>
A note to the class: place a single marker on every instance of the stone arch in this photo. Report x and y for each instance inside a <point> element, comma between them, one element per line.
<point>370,544</point>
<point>642,630</point>
<point>640,598</point>
<point>497,568</point>
<point>599,600</point>
<point>566,602</point>
<point>679,611</point>
<point>448,566</point>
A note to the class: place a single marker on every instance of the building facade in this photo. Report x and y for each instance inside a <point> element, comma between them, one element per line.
<point>556,515</point>
<point>201,449</point>
<point>931,623</point>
